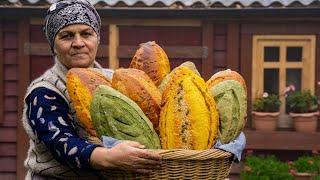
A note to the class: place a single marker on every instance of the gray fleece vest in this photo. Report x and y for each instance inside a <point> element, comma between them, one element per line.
<point>40,162</point>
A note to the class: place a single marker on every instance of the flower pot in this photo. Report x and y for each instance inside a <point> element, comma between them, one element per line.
<point>305,122</point>
<point>265,121</point>
<point>303,176</point>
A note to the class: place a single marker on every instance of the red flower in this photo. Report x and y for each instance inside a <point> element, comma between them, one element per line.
<point>292,171</point>
<point>249,152</point>
<point>315,152</point>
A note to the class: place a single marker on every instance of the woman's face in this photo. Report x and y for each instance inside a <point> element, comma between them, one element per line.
<point>76,46</point>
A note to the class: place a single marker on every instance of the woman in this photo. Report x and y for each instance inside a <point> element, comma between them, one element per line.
<point>58,146</point>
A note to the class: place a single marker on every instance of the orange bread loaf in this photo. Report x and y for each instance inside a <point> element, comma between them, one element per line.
<point>151,59</point>
<point>137,85</point>
<point>81,82</point>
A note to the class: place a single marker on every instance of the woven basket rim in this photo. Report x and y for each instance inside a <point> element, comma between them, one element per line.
<point>183,164</point>
<point>185,154</point>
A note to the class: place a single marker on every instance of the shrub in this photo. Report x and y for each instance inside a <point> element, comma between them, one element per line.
<point>265,168</point>
<point>305,164</point>
<point>302,102</point>
<point>267,103</point>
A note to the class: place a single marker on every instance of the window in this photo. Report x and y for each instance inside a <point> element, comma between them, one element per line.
<point>282,60</point>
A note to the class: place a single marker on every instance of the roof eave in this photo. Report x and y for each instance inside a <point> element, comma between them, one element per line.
<point>216,13</point>
<point>203,13</point>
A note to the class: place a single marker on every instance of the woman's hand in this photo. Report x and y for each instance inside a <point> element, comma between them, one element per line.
<point>128,155</point>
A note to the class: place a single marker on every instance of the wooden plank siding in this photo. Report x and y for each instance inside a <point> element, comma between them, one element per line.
<point>183,52</point>
<point>8,164</point>
<point>282,140</point>
<point>43,49</point>
<point>103,51</point>
<point>10,119</point>
<point>181,43</point>
<point>246,70</point>
<point>7,176</point>
<point>207,41</point>
<point>8,149</point>
<point>8,134</point>
<point>233,50</point>
<point>125,51</point>
<point>219,47</point>
<point>9,83</point>
<point>1,73</point>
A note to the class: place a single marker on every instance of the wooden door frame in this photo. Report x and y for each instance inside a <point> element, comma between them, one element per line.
<point>24,80</point>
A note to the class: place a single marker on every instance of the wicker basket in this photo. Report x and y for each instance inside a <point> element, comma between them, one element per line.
<point>184,164</point>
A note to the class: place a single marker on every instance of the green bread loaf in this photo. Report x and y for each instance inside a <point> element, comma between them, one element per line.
<point>232,107</point>
<point>115,115</point>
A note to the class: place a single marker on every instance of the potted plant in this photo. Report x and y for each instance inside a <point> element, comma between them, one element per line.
<point>265,112</point>
<point>303,109</point>
<point>305,167</point>
<point>256,168</point>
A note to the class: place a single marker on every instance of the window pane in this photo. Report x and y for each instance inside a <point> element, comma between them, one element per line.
<point>271,53</point>
<point>271,81</point>
<point>294,78</point>
<point>294,54</point>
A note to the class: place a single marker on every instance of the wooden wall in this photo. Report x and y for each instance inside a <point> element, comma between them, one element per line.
<point>163,36</point>
<point>212,46</point>
<point>9,97</point>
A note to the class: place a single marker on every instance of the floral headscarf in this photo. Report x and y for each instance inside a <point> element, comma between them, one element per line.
<point>69,12</point>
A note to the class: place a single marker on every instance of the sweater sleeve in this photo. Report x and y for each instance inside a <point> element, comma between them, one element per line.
<point>49,118</point>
